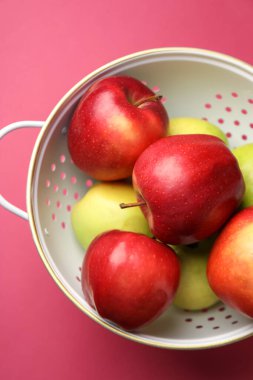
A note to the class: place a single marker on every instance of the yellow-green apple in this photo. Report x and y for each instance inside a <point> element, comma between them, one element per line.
<point>244,156</point>
<point>129,278</point>
<point>113,123</point>
<point>187,187</point>
<point>230,264</point>
<point>194,292</point>
<point>193,125</point>
<point>98,211</point>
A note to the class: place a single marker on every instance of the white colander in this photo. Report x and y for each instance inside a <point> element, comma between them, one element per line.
<point>193,83</point>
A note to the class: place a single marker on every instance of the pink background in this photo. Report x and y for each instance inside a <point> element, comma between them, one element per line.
<point>45,48</point>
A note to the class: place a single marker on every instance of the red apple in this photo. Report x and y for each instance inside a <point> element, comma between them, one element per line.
<point>187,186</point>
<point>129,278</point>
<point>230,265</point>
<point>114,122</point>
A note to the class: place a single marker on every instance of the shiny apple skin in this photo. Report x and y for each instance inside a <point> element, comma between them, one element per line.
<point>191,185</point>
<point>230,265</point>
<point>129,278</point>
<point>108,131</point>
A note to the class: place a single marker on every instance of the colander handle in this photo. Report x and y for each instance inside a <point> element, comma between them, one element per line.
<point>4,131</point>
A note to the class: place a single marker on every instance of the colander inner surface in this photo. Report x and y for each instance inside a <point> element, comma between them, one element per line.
<point>200,89</point>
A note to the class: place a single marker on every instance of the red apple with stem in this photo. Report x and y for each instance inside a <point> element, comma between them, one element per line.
<point>113,123</point>
<point>230,264</point>
<point>187,187</point>
<point>129,278</point>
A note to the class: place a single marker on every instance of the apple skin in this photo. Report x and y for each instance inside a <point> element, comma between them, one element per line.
<point>193,125</point>
<point>194,292</point>
<point>98,211</point>
<point>191,185</point>
<point>230,264</point>
<point>129,278</point>
<point>108,130</point>
<point>244,156</point>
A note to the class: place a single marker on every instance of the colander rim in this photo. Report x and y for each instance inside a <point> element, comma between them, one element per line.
<point>32,166</point>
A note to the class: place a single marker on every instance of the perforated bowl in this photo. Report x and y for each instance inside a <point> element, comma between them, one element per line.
<point>193,83</point>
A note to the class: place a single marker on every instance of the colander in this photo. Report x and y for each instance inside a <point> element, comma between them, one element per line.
<point>193,82</point>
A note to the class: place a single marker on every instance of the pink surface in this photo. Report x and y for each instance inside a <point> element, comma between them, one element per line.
<point>45,48</point>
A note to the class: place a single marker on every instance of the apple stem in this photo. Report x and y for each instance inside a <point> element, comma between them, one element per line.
<point>152,98</point>
<point>135,204</point>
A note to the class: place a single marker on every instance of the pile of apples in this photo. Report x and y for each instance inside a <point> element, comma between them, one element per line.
<point>170,220</point>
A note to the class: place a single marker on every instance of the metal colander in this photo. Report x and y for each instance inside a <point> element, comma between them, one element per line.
<point>194,83</point>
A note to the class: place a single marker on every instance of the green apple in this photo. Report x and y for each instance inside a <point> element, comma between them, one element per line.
<point>99,211</point>
<point>192,125</point>
<point>244,156</point>
<point>194,292</point>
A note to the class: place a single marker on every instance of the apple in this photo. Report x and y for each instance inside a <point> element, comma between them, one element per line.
<point>114,122</point>
<point>187,187</point>
<point>129,278</point>
<point>194,292</point>
<point>98,211</point>
<point>244,156</point>
<point>193,125</point>
<point>230,265</point>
